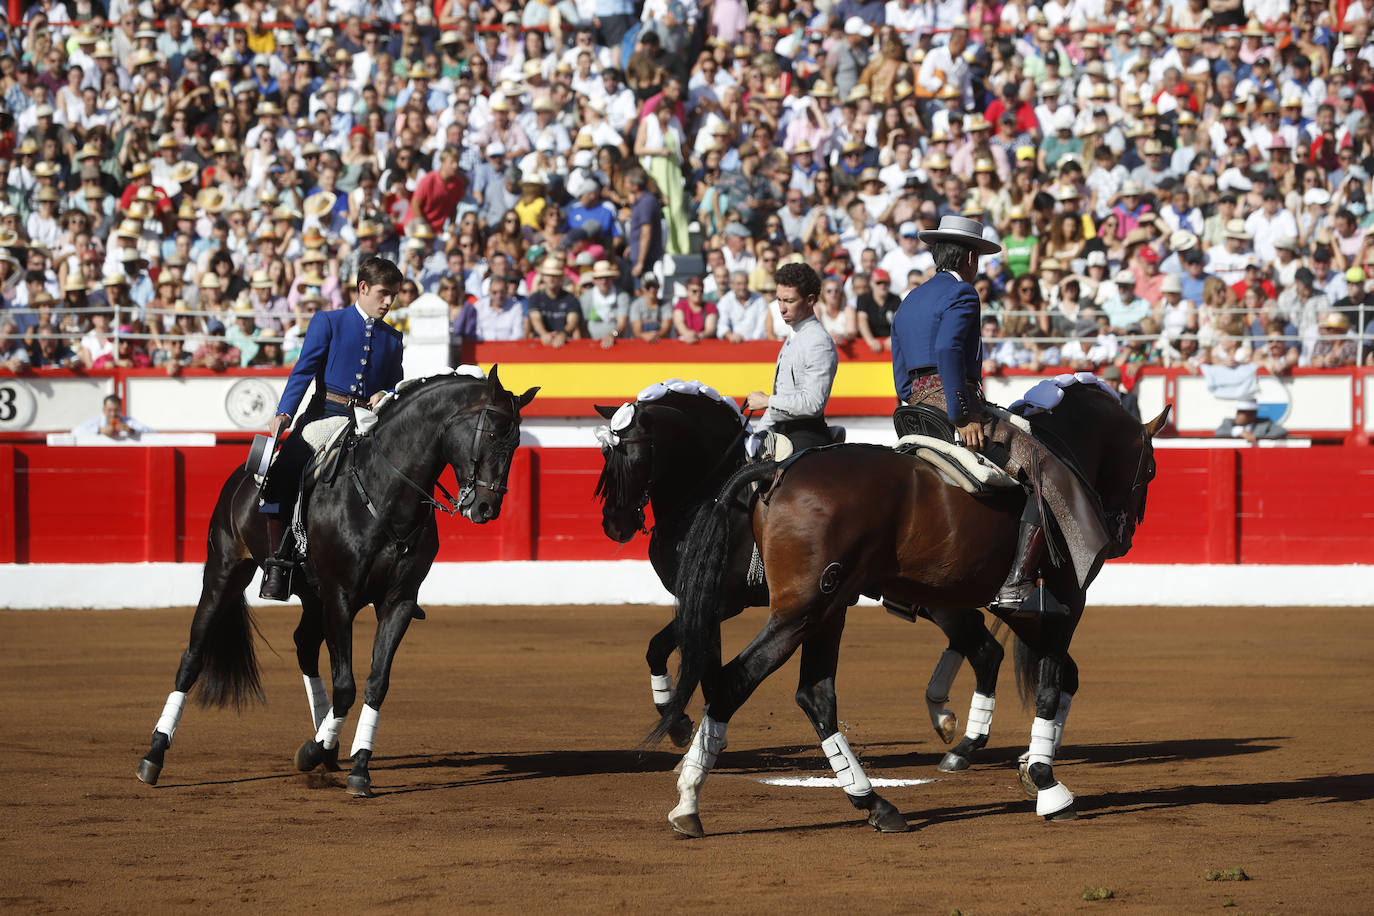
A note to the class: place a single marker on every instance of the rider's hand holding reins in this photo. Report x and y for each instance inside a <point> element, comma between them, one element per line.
<point>971,435</point>
<point>277,423</point>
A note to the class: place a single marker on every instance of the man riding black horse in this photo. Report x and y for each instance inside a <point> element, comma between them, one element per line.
<point>354,359</point>
<point>937,361</point>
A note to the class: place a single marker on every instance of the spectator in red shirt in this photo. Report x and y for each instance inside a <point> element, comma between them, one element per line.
<point>437,195</point>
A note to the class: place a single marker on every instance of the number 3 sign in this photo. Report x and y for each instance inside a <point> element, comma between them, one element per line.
<point>17,404</point>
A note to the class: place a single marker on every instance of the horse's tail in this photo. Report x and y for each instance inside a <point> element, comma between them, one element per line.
<point>1027,668</point>
<point>229,664</point>
<point>230,674</point>
<point>704,559</point>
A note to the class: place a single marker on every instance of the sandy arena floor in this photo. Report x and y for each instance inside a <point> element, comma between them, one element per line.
<point>508,777</point>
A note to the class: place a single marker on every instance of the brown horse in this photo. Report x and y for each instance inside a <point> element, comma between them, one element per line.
<point>853,519</point>
<point>673,448</point>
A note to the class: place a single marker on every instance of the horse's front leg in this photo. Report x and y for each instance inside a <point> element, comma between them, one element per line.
<point>1053,800</point>
<point>661,645</point>
<point>969,638</point>
<point>391,628</point>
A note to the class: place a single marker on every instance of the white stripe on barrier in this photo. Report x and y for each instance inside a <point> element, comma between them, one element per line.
<point>156,585</point>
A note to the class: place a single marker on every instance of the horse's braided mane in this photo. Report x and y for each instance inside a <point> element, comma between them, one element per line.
<point>614,483</point>
<point>407,390</point>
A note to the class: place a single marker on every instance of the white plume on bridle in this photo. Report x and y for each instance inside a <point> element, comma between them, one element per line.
<point>609,436</point>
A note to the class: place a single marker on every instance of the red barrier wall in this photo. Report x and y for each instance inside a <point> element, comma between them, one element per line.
<point>120,505</point>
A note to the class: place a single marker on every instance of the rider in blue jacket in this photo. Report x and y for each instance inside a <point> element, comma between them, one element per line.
<point>353,358</point>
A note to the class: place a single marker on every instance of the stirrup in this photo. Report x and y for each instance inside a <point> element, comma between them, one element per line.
<point>276,579</point>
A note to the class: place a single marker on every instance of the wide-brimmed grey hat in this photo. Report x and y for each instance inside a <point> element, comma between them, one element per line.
<point>961,231</point>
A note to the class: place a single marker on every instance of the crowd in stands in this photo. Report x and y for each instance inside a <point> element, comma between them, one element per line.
<point>1173,183</point>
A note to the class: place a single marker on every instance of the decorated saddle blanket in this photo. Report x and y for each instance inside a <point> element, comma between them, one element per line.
<point>957,465</point>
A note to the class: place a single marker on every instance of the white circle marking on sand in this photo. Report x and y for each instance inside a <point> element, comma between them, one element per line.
<point>828,782</point>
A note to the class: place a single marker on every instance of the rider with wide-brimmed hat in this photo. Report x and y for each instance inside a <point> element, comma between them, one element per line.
<point>937,360</point>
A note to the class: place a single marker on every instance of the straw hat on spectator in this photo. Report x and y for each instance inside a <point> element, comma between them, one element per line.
<point>142,58</point>
<point>114,279</point>
<point>983,164</point>
<point>604,269</point>
<point>936,161</point>
<point>974,210</point>
<point>822,90</point>
<point>313,256</point>
<point>368,228</point>
<point>947,91</point>
<point>285,211</point>
<point>1235,229</point>
<point>103,49</point>
<point>211,200</point>
<point>129,229</point>
<point>211,280</point>
<point>41,298</point>
<point>139,211</point>
<point>858,93</point>
<point>320,203</point>
<point>902,91</point>
<point>45,169</point>
<point>183,172</point>
<point>168,278</point>
<point>1017,213</point>
<point>419,229</point>
<point>311,277</point>
<point>139,169</point>
<point>74,283</point>
<point>1286,242</point>
<point>551,266</point>
<point>1182,240</point>
<point>1050,263</point>
<point>47,194</point>
<point>146,194</point>
<point>976,123</point>
<point>1336,321</point>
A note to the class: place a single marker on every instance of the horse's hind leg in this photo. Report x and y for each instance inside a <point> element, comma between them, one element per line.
<point>390,630</point>
<point>222,586</point>
<point>816,697</point>
<point>309,636</point>
<point>661,645</point>
<point>337,618</point>
<point>1068,688</point>
<point>969,638</point>
<point>725,693</point>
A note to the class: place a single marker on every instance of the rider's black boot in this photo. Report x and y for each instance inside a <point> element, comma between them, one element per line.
<point>276,569</point>
<point>1030,547</point>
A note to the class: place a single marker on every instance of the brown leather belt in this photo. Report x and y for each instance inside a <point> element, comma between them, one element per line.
<point>348,402</point>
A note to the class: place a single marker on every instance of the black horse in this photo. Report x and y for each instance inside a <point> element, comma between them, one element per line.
<point>673,450</point>
<point>370,538</point>
<point>851,519</point>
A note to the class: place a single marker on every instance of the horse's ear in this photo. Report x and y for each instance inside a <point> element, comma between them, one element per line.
<point>493,377</point>
<point>525,398</point>
<point>606,412</point>
<point>1154,426</point>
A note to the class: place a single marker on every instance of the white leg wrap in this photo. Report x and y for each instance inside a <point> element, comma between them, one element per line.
<point>662,685</point>
<point>367,730</point>
<point>328,734</point>
<point>848,773</point>
<point>1042,742</point>
<point>980,715</point>
<point>942,678</point>
<point>1053,800</point>
<point>1065,701</point>
<point>318,699</point>
<point>707,744</point>
<point>171,715</point>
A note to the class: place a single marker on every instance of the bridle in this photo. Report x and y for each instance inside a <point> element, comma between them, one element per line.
<point>647,441</point>
<point>467,486</point>
<point>1144,473</point>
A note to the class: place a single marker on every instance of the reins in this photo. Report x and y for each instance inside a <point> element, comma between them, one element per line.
<point>467,488</point>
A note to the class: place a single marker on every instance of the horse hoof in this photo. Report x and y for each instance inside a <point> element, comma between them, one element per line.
<point>680,732</point>
<point>887,819</point>
<point>1027,784</point>
<point>360,786</point>
<point>149,771</point>
<point>689,825</point>
<point>331,760</point>
<point>953,763</point>
<point>948,728</point>
<point>1067,814</point>
<point>310,755</point>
